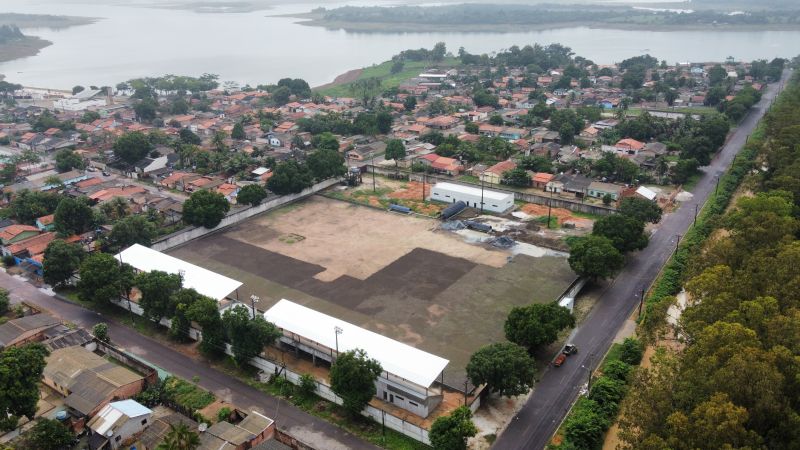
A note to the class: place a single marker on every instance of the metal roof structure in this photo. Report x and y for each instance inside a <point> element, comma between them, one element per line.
<point>488,194</point>
<point>204,281</point>
<point>396,358</point>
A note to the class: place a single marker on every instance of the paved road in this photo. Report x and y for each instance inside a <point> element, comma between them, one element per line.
<point>558,388</point>
<point>314,431</point>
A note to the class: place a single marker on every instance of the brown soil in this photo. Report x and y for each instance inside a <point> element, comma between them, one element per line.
<point>563,215</point>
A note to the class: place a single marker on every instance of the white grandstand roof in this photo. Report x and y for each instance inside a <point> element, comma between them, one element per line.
<point>404,361</point>
<point>204,281</point>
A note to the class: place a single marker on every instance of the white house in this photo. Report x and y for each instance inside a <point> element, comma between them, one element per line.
<point>117,423</point>
<point>494,201</point>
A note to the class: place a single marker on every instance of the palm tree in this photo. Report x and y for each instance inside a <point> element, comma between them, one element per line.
<point>180,437</point>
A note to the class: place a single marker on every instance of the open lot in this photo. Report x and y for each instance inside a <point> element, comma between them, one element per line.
<point>394,274</point>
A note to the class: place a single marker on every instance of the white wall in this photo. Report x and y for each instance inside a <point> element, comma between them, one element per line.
<point>445,195</point>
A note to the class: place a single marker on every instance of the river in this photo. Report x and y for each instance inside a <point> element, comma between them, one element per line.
<point>253,48</point>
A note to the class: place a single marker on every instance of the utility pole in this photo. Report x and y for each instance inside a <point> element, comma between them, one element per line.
<point>641,302</point>
<point>677,242</point>
<point>253,300</point>
<point>337,331</point>
<point>423,186</point>
<point>373,171</point>
<point>717,187</point>
<point>696,209</point>
<point>549,208</point>
<point>481,209</point>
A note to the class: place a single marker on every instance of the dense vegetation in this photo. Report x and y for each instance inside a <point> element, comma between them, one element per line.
<point>734,384</point>
<point>10,33</point>
<point>548,15</point>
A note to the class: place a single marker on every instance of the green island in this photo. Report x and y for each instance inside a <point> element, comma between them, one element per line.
<point>515,17</point>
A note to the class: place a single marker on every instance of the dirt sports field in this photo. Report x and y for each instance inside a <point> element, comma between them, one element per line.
<point>394,274</point>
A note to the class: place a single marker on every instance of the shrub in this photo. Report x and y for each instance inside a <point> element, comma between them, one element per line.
<point>223,414</point>
<point>607,393</point>
<point>308,385</point>
<point>100,331</point>
<point>631,352</point>
<point>617,370</point>
<point>585,426</point>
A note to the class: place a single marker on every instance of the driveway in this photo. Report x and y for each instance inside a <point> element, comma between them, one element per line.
<point>558,387</point>
<point>297,423</point>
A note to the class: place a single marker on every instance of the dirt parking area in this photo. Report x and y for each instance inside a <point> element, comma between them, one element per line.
<point>394,274</point>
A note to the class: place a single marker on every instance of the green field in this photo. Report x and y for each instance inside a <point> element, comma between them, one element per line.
<point>388,80</point>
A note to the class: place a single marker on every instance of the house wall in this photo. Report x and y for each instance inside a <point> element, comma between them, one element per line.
<point>128,430</point>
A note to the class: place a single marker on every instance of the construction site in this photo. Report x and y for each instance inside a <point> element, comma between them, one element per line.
<point>405,276</point>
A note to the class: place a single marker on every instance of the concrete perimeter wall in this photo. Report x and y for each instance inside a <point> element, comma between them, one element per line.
<point>524,196</point>
<point>188,234</point>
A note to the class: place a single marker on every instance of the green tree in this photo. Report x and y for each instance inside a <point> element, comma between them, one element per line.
<point>131,230</point>
<point>205,208</point>
<point>186,136</point>
<point>180,437</point>
<point>536,163</point>
<point>684,169</point>
<point>584,428</point>
<point>205,311</point>
<point>625,233</point>
<point>505,367</point>
<point>100,331</point>
<point>365,89</point>
<point>157,289</point>
<point>252,194</point>
<point>248,334</point>
<point>4,301</point>
<point>452,431</point>
<point>325,164</point>
<point>290,177</point>
<point>281,95</point>
<point>410,103</point>
<point>27,206</point>
<point>132,147</point>
<point>352,377</point>
<point>327,141</point>
<point>383,121</point>
<point>48,434</point>
<point>238,131</point>
<point>61,261</point>
<point>595,257</point>
<point>607,392</point>
<point>472,128</point>
<point>67,160</point>
<point>73,216</point>
<point>631,352</point>
<point>640,209</point>
<point>396,150</point>
<point>20,376</point>
<point>537,325</point>
<point>516,177</point>
<point>103,278</point>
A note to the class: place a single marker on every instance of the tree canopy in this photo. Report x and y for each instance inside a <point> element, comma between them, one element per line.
<point>157,289</point>
<point>505,367</point>
<point>73,216</point>
<point>452,431</point>
<point>537,325</point>
<point>641,209</point>
<point>48,434</point>
<point>131,230</point>
<point>626,233</point>
<point>103,278</point>
<point>353,375</point>
<point>205,208</point>
<point>595,257</point>
<point>290,177</point>
<point>324,164</point>
<point>252,194</point>
<point>19,383</point>
<point>61,261</point>
<point>132,147</point>
<point>248,335</point>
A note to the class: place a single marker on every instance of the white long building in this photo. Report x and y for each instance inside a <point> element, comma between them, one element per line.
<point>408,373</point>
<point>494,201</point>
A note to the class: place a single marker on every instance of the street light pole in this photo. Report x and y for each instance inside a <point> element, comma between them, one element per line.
<point>373,171</point>
<point>253,300</point>
<point>549,208</point>
<point>482,173</point>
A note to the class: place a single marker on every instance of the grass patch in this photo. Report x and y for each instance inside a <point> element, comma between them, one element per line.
<point>691,183</point>
<point>187,394</point>
<point>389,80</point>
<point>553,222</point>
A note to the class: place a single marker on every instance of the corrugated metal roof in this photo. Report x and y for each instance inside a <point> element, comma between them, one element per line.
<point>397,358</point>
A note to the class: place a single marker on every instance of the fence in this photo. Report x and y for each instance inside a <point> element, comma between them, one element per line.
<point>184,236</point>
<point>528,197</point>
<point>323,390</point>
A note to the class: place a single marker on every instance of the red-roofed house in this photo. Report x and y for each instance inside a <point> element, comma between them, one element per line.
<point>15,233</point>
<point>441,164</point>
<point>494,174</point>
<point>45,223</point>
<point>541,179</point>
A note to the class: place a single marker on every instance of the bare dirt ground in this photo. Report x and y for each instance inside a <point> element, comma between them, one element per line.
<point>386,272</point>
<point>347,77</point>
<point>388,191</point>
<point>563,215</point>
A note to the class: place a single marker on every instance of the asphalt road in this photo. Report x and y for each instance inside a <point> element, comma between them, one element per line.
<point>559,387</point>
<point>303,426</point>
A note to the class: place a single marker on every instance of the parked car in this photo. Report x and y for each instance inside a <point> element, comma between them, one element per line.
<point>560,359</point>
<point>570,349</point>
<point>106,173</point>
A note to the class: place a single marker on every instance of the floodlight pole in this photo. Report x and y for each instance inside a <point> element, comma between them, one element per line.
<point>253,300</point>
<point>337,331</point>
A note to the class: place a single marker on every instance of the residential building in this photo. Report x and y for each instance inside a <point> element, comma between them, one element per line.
<point>441,164</point>
<point>88,380</point>
<point>15,233</point>
<point>541,179</point>
<point>21,331</point>
<point>597,189</point>
<point>494,174</point>
<point>117,424</point>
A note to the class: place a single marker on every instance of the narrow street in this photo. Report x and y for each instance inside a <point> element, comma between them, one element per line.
<point>558,387</point>
<point>303,426</point>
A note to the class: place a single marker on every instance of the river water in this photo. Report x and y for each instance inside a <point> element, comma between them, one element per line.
<point>252,47</point>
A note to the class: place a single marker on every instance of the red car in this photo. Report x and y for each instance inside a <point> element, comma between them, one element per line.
<point>560,360</point>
